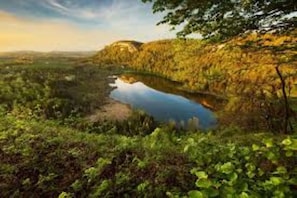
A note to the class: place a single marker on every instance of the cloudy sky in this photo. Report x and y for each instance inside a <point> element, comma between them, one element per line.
<point>69,25</point>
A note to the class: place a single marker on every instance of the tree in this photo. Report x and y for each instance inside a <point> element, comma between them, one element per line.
<point>224,19</point>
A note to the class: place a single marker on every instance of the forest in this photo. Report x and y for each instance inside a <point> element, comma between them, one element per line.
<point>232,70</point>
<point>50,148</point>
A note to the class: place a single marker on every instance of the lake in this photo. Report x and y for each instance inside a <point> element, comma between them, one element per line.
<point>163,100</point>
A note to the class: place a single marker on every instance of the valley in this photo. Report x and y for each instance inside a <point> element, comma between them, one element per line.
<point>148,98</point>
<point>59,130</point>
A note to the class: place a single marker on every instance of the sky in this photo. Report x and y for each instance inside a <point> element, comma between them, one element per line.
<point>76,25</point>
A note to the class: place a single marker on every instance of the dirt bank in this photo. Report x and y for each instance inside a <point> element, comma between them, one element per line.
<point>112,110</point>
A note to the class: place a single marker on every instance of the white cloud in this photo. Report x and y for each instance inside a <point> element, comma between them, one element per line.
<point>135,21</point>
<point>70,9</point>
<point>131,18</point>
<point>55,4</point>
<point>76,27</point>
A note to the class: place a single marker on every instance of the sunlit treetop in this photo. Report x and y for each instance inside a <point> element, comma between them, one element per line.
<point>223,19</point>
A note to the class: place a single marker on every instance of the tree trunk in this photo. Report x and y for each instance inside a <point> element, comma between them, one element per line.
<point>287,126</point>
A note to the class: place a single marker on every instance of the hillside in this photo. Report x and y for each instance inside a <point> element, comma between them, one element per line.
<point>131,46</point>
<point>217,68</point>
<point>49,149</point>
<point>72,54</point>
<point>119,53</point>
<point>175,118</point>
<point>243,70</point>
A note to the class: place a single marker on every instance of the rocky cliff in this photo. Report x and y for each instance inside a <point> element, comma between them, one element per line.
<point>131,46</point>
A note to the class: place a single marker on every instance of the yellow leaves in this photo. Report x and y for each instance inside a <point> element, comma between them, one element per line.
<point>265,40</point>
<point>202,66</point>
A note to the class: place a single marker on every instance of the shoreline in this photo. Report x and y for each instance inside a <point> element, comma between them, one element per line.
<point>112,110</point>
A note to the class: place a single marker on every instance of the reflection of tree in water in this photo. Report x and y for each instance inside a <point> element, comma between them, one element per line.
<point>161,84</point>
<point>129,79</point>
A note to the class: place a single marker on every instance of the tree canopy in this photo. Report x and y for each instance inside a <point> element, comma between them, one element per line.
<point>227,18</point>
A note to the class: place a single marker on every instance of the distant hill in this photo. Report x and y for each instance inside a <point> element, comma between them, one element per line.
<point>73,54</point>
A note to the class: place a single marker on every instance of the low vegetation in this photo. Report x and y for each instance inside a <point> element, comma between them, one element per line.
<point>49,149</point>
<point>50,160</point>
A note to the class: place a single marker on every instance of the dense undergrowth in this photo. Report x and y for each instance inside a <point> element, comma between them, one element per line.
<point>48,149</point>
<point>47,159</point>
<point>52,90</point>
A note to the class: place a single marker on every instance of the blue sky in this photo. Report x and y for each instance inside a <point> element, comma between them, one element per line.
<point>46,25</point>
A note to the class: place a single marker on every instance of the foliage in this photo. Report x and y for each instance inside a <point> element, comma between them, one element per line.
<point>51,90</point>
<point>115,55</point>
<point>228,19</point>
<point>223,69</point>
<point>260,170</point>
<point>137,124</point>
<point>225,19</point>
<point>45,159</point>
<point>233,70</point>
<point>67,156</point>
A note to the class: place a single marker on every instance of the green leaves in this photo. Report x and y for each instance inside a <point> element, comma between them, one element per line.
<point>203,183</point>
<point>281,170</point>
<point>201,174</point>
<point>196,194</point>
<point>244,195</point>
<point>268,142</point>
<point>255,147</point>
<point>290,144</point>
<point>142,187</point>
<point>210,192</point>
<point>233,177</point>
<point>64,195</point>
<point>227,168</point>
<point>252,171</point>
<point>276,180</point>
<point>287,142</point>
<point>226,19</point>
<point>91,173</point>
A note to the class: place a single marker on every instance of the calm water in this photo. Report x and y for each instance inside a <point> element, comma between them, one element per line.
<point>161,99</point>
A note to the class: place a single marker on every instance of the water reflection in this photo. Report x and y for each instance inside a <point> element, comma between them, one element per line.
<point>162,105</point>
